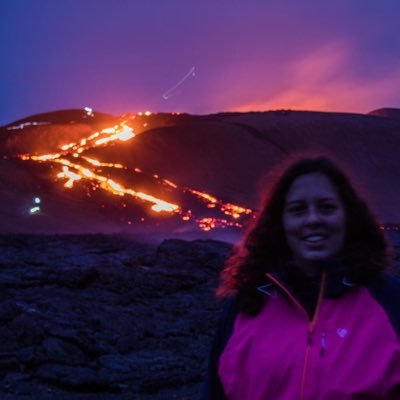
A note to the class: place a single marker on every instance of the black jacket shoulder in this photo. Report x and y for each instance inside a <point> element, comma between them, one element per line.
<point>386,291</point>
<point>213,388</point>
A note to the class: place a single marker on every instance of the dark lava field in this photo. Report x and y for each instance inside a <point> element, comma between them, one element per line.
<point>105,317</point>
<point>108,316</point>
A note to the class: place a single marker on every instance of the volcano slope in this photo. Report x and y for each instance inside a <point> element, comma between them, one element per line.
<point>230,157</point>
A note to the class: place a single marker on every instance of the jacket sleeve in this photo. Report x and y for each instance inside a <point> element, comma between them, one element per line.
<point>386,290</point>
<point>212,389</point>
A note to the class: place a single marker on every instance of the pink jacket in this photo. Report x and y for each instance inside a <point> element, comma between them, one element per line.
<point>349,350</point>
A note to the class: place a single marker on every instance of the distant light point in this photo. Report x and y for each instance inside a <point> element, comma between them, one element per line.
<point>89,111</point>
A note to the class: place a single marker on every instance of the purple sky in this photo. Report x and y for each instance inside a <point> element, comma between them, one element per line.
<point>122,56</point>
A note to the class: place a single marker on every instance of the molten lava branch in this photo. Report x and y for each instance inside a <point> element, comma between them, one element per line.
<point>111,186</point>
<point>227,208</point>
<point>120,132</point>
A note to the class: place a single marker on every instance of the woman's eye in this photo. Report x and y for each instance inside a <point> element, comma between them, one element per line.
<point>328,207</point>
<point>296,209</point>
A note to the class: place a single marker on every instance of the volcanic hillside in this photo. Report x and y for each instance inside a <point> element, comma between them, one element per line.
<point>177,172</point>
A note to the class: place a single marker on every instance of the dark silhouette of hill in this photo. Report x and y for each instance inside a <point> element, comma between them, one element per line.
<point>229,155</point>
<point>393,113</point>
<point>65,117</point>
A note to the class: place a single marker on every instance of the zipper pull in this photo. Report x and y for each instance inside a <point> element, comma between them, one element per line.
<point>323,343</point>
<point>309,337</point>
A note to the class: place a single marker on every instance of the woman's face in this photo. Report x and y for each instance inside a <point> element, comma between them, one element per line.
<point>314,220</point>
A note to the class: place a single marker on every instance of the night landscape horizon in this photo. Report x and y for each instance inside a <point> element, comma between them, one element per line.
<point>137,142</point>
<point>176,173</point>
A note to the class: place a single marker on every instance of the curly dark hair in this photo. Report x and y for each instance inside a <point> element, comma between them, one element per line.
<point>264,246</point>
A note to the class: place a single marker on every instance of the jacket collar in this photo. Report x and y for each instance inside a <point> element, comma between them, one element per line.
<point>288,275</point>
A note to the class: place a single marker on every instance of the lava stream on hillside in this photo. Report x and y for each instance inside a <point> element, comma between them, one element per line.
<point>76,168</point>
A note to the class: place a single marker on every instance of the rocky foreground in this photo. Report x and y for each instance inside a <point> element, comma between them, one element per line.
<point>107,317</point>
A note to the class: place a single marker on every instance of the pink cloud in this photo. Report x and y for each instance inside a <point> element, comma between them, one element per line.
<point>325,80</point>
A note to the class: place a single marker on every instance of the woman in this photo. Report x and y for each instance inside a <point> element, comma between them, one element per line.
<point>312,314</point>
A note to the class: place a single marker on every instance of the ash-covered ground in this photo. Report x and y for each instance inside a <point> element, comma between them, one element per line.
<point>108,316</point>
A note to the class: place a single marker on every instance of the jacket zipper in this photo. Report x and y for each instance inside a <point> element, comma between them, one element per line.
<point>311,325</point>
<point>311,328</point>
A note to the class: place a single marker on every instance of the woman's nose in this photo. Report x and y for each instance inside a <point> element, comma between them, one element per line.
<point>313,217</point>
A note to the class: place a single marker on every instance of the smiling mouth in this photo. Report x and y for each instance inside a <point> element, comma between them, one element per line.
<point>315,243</point>
<point>314,238</point>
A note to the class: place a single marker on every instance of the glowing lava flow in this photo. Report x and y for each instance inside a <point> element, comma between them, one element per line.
<point>112,186</point>
<point>228,208</point>
<point>121,132</point>
<point>75,171</point>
